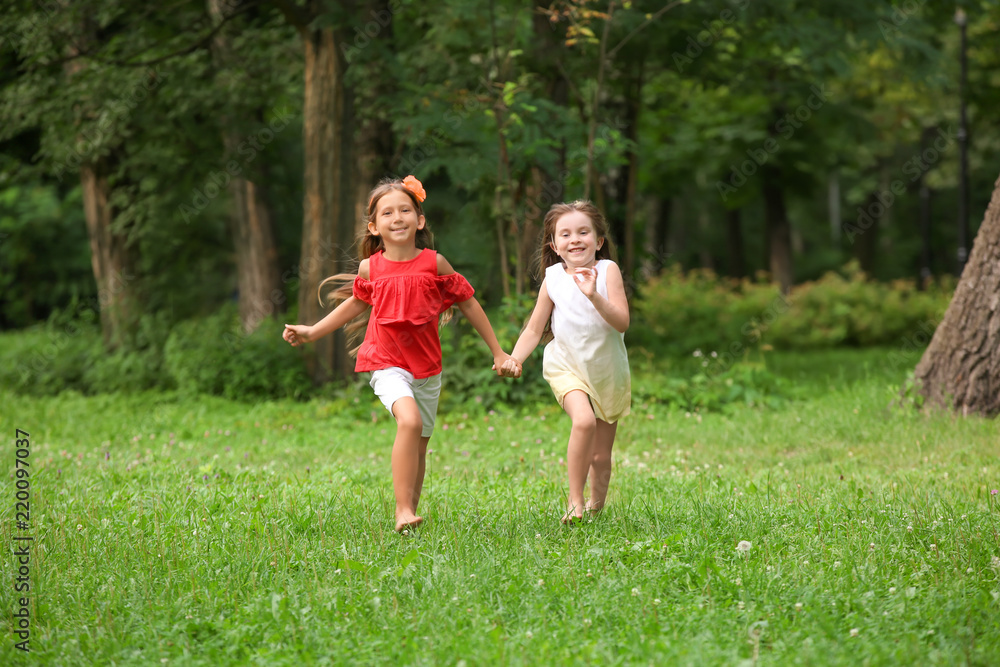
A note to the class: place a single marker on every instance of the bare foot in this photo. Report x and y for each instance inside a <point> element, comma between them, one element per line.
<point>406,520</point>
<point>573,514</point>
<point>593,507</point>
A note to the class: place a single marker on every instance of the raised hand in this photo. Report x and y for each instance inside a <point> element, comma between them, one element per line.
<point>297,334</point>
<point>586,280</point>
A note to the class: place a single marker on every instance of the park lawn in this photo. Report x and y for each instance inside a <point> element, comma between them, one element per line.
<point>200,531</point>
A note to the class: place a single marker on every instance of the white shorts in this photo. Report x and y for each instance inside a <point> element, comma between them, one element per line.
<point>393,383</point>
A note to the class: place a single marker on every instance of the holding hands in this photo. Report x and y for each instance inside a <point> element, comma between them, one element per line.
<point>511,368</point>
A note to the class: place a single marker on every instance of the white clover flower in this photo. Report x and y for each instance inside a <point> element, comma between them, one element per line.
<point>892,589</point>
<point>740,605</point>
<point>798,606</point>
<point>744,546</point>
<point>995,563</point>
<point>697,353</point>
<point>635,592</point>
<point>855,632</point>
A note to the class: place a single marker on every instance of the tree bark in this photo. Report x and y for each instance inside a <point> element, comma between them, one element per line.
<point>779,236</point>
<point>328,207</point>
<point>109,255</point>
<point>960,368</point>
<point>257,274</point>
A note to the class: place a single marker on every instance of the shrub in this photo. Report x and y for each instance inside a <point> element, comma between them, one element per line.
<point>679,313</point>
<point>211,355</point>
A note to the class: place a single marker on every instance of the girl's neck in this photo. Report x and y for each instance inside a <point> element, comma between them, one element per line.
<point>572,269</point>
<point>400,254</point>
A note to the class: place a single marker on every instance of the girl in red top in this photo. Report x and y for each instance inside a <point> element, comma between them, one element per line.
<point>408,286</point>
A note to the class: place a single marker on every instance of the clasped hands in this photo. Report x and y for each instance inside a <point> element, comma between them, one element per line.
<point>510,368</point>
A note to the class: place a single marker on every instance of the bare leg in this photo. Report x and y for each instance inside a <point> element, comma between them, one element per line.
<point>580,450</point>
<point>600,464</point>
<point>421,466</point>
<point>407,460</point>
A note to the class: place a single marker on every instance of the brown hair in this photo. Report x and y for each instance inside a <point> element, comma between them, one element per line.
<point>547,255</point>
<point>369,244</point>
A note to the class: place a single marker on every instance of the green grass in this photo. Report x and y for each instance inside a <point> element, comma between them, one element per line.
<point>172,530</point>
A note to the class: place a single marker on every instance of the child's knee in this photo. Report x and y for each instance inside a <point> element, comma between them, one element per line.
<point>601,459</point>
<point>410,422</point>
<point>585,423</point>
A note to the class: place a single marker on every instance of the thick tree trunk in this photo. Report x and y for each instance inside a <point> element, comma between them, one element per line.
<point>779,236</point>
<point>734,243</point>
<point>328,204</point>
<point>961,367</point>
<point>257,274</point>
<point>109,256</point>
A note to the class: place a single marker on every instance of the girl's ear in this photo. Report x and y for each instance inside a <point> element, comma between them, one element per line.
<point>421,222</point>
<point>600,242</point>
<point>372,229</point>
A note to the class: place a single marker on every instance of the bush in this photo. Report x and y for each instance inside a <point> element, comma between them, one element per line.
<point>211,355</point>
<point>681,313</point>
<point>707,388</point>
<point>48,358</point>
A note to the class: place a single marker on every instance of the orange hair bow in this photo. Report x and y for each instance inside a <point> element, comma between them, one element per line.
<point>415,188</point>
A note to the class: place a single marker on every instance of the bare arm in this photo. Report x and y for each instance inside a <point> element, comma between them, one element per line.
<point>474,312</point>
<point>296,334</point>
<point>535,327</point>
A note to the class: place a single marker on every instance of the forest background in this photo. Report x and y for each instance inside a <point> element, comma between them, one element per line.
<point>176,178</point>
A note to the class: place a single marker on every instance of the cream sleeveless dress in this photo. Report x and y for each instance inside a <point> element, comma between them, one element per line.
<point>586,353</point>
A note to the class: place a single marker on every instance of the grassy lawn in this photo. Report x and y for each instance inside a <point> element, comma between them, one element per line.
<point>172,530</point>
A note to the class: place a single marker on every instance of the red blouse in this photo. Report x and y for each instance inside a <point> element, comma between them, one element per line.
<point>406,299</point>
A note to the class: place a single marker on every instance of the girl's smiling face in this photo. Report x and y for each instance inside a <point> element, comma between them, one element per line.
<point>396,220</point>
<point>574,240</point>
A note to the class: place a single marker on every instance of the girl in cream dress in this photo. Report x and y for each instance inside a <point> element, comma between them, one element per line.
<point>583,298</point>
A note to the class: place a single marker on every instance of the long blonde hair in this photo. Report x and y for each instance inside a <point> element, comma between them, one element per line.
<point>369,244</point>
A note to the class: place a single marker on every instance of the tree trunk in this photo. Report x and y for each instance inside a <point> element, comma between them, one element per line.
<point>109,252</point>
<point>866,240</point>
<point>109,256</point>
<point>633,105</point>
<point>375,144</point>
<point>657,234</point>
<point>257,274</point>
<point>734,243</point>
<point>961,366</point>
<point>779,236</point>
<point>328,205</point>
<point>256,255</point>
